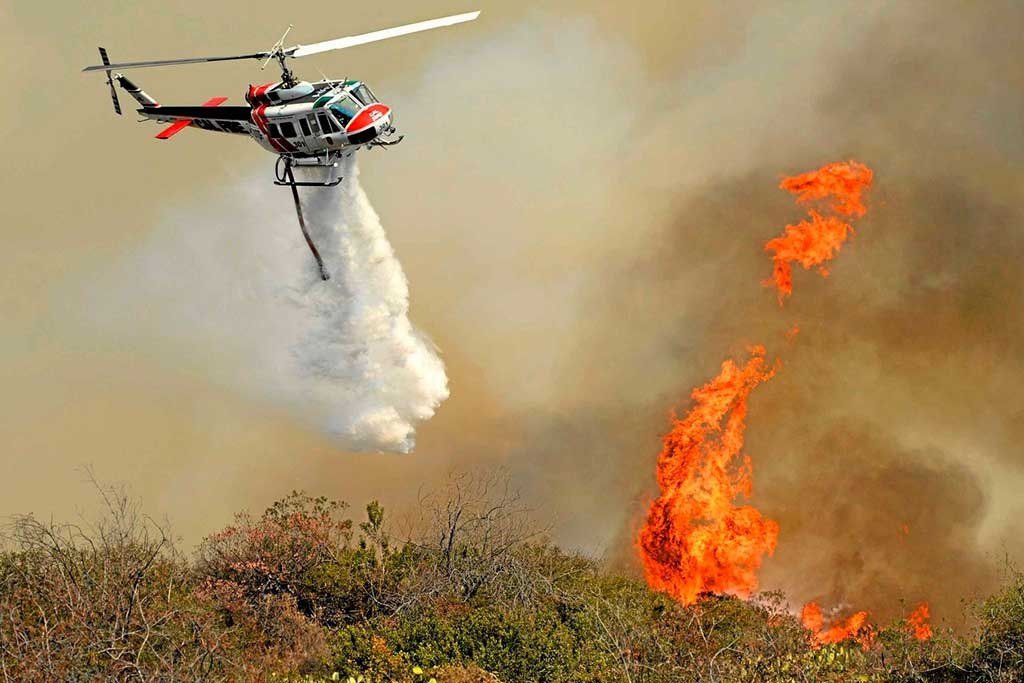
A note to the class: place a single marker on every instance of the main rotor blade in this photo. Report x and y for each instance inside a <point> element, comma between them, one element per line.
<point>362,39</point>
<point>171,62</point>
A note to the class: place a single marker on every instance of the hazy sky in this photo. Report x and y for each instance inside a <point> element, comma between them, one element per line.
<point>580,207</point>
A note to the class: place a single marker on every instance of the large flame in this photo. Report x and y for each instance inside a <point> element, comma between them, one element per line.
<point>696,539</point>
<point>816,240</point>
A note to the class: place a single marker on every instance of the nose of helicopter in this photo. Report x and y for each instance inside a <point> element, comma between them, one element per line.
<point>370,122</point>
<point>383,124</point>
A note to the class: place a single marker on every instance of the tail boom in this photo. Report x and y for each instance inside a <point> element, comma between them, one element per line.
<point>135,91</point>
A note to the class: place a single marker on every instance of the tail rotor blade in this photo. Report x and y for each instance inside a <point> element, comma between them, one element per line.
<point>113,97</point>
<point>110,82</point>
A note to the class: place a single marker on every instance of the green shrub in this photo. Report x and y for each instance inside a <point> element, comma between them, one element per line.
<point>299,593</point>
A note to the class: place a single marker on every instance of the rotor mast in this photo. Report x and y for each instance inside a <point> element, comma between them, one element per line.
<point>278,52</point>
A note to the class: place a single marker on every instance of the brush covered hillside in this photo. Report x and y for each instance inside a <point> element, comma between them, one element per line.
<point>309,591</point>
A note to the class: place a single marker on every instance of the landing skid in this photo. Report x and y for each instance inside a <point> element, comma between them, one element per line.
<point>384,144</point>
<point>286,178</point>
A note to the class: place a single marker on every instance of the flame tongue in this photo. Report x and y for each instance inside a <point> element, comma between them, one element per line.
<point>695,538</point>
<point>846,181</point>
<point>918,621</point>
<point>855,626</point>
<point>815,241</point>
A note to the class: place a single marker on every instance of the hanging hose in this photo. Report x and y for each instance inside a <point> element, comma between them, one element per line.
<point>289,178</point>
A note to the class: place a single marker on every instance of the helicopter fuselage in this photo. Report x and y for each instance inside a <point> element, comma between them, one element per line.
<point>303,120</point>
<point>311,119</point>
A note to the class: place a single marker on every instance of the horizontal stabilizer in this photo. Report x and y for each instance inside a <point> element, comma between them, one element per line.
<point>173,129</point>
<point>179,126</point>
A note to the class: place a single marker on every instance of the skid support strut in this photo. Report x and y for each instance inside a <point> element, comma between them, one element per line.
<point>324,275</point>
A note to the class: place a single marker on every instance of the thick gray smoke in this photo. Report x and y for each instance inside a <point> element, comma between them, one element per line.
<point>617,175</point>
<point>236,283</point>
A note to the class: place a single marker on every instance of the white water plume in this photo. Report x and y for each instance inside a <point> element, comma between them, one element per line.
<point>234,289</point>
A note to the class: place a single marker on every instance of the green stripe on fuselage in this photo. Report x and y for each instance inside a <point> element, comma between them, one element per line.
<point>322,101</point>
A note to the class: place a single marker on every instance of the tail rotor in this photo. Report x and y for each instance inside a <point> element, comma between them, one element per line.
<point>110,82</point>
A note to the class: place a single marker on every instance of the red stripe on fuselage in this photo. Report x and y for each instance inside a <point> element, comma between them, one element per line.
<point>260,120</point>
<point>257,93</point>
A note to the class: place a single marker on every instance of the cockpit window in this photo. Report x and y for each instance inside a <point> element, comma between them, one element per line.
<point>364,95</point>
<point>349,104</point>
<point>342,114</point>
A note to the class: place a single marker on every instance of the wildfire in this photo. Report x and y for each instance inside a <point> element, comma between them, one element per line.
<point>918,621</point>
<point>855,626</point>
<point>816,240</point>
<point>696,539</point>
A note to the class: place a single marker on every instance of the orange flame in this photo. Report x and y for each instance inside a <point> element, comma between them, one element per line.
<point>853,627</point>
<point>816,241</point>
<point>695,538</point>
<point>844,180</point>
<point>918,621</point>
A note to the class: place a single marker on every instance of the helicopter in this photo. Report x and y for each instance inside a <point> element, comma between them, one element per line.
<point>307,124</point>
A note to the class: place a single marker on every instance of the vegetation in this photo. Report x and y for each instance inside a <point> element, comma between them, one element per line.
<point>472,593</point>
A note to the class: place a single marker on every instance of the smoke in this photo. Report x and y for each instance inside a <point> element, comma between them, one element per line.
<point>900,397</point>
<point>237,291</point>
<point>617,176</point>
<point>910,339</point>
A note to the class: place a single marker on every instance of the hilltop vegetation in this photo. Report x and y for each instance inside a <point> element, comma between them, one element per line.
<point>472,592</point>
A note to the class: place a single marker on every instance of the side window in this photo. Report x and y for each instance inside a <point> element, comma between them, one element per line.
<point>327,124</point>
<point>274,132</point>
<point>288,128</point>
<point>313,124</point>
<point>305,127</point>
